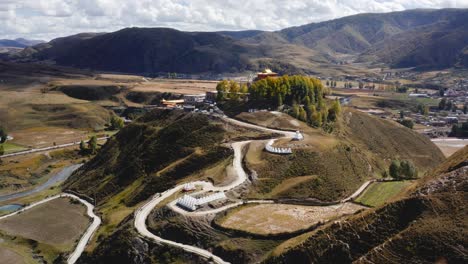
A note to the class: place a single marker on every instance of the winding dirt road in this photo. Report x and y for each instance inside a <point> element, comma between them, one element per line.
<point>142,214</point>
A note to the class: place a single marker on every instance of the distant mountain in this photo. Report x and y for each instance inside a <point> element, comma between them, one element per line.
<point>414,38</point>
<point>19,43</point>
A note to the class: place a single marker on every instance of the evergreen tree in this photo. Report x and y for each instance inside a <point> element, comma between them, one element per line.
<point>2,150</point>
<point>3,135</point>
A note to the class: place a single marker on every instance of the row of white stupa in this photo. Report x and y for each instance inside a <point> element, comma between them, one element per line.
<point>191,203</point>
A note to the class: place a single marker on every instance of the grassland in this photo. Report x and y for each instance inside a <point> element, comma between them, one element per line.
<point>46,230</point>
<point>9,147</point>
<point>379,193</point>
<point>58,222</point>
<point>9,256</point>
<point>265,219</point>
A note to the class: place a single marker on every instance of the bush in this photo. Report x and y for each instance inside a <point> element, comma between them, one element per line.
<point>403,170</point>
<point>407,123</point>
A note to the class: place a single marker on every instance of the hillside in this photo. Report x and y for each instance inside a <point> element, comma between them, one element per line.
<point>329,167</point>
<point>412,38</point>
<point>152,154</point>
<point>425,226</point>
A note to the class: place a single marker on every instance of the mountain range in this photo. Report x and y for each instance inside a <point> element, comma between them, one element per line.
<point>19,42</point>
<point>421,38</point>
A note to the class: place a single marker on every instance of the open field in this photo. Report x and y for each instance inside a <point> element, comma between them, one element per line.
<point>58,223</point>
<point>280,218</point>
<point>176,86</point>
<point>450,145</point>
<point>9,256</point>
<point>10,147</point>
<point>380,192</point>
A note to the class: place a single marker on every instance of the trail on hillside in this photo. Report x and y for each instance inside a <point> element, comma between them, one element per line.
<point>142,213</point>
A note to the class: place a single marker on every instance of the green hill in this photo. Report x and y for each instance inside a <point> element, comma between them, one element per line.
<point>428,225</point>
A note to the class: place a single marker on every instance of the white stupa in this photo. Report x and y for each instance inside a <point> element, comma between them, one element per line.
<point>298,136</point>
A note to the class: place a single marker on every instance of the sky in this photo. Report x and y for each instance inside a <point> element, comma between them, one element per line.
<point>48,19</point>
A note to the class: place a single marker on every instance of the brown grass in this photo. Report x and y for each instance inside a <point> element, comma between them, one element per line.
<point>176,86</point>
<point>58,222</point>
<point>290,183</point>
<point>9,256</point>
<point>279,218</point>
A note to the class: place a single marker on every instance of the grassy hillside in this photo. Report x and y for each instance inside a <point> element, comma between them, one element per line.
<point>428,225</point>
<point>330,167</point>
<point>145,150</point>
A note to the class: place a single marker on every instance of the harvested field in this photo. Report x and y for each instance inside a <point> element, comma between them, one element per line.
<point>9,256</point>
<point>448,146</point>
<point>176,86</point>
<point>59,222</point>
<point>267,219</point>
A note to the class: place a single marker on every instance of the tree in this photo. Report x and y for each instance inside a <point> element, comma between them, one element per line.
<point>442,104</point>
<point>407,170</point>
<point>407,123</point>
<point>465,108</point>
<point>328,83</point>
<point>402,114</point>
<point>92,144</point>
<point>302,114</point>
<point>295,110</point>
<point>116,123</point>
<point>441,92</point>
<point>2,150</point>
<point>83,148</point>
<point>361,85</point>
<point>394,169</point>
<point>334,110</point>
<point>3,135</point>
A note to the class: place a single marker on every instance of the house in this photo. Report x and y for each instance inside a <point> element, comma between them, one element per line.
<point>265,74</point>
<point>194,98</point>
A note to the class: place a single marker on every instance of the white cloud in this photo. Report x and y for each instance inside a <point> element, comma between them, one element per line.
<point>48,19</point>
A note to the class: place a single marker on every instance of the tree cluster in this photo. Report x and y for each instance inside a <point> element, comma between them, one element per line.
<point>331,83</point>
<point>305,95</point>
<point>90,148</point>
<point>404,169</point>
<point>459,130</point>
<point>116,123</point>
<point>348,85</point>
<point>407,123</point>
<point>447,105</point>
<point>231,90</point>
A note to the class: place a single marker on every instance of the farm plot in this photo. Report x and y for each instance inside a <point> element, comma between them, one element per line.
<point>267,219</point>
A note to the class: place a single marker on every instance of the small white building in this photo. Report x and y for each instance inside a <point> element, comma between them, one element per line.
<point>194,98</point>
<point>298,136</point>
<point>191,203</point>
<point>189,187</point>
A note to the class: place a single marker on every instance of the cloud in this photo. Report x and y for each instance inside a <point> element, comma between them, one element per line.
<point>46,19</point>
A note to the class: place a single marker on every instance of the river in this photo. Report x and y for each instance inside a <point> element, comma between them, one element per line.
<point>60,176</point>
